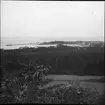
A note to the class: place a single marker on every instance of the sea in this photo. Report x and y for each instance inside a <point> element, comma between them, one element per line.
<point>18,42</point>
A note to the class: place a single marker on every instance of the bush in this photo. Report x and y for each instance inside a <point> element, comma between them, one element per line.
<point>24,88</point>
<point>21,86</point>
<point>60,94</point>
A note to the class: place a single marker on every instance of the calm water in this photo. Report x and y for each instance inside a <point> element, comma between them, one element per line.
<point>99,86</point>
<point>19,40</point>
<point>21,46</point>
<point>35,46</point>
<point>67,79</point>
<point>23,40</point>
<point>73,77</point>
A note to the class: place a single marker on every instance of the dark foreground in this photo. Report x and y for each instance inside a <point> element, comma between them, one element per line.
<point>23,72</point>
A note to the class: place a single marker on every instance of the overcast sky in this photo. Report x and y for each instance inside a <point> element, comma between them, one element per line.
<point>51,20</point>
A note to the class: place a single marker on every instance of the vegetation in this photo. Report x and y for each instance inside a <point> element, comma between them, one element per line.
<point>24,87</point>
<point>60,94</point>
<point>22,81</point>
<point>63,59</point>
<point>18,87</point>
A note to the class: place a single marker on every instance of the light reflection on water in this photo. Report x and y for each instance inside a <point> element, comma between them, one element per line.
<point>36,46</point>
<point>73,77</point>
<point>21,46</point>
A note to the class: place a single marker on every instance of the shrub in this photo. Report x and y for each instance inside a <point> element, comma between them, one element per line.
<point>60,94</point>
<point>24,88</point>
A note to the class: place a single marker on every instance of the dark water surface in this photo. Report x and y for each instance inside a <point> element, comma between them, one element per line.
<point>77,81</point>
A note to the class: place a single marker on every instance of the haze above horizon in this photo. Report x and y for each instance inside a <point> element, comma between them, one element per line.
<point>35,21</point>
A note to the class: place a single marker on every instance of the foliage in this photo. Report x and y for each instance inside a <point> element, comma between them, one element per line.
<point>24,87</point>
<point>23,83</point>
<point>19,87</point>
<point>60,94</point>
<point>64,60</point>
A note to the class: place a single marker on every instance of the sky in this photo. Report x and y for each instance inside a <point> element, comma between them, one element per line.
<point>33,21</point>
